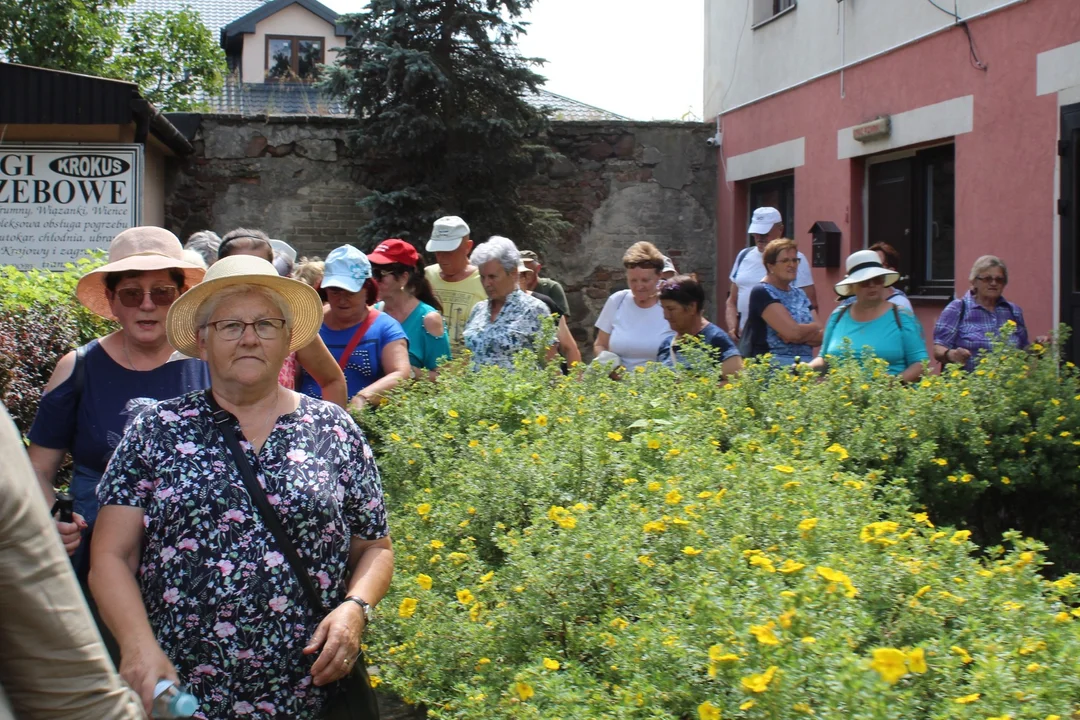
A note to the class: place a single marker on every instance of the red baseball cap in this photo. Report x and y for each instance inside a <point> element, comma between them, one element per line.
<point>394,251</point>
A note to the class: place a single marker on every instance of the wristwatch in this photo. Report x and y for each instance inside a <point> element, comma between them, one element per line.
<point>363,606</point>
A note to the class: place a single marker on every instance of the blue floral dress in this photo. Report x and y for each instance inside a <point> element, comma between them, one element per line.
<point>514,329</point>
<point>224,603</point>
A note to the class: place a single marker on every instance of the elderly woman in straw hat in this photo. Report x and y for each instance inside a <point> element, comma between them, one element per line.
<point>100,387</point>
<point>891,332</point>
<point>245,570</point>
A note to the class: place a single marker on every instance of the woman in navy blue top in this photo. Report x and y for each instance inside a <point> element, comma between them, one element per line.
<point>683,300</point>
<point>95,391</point>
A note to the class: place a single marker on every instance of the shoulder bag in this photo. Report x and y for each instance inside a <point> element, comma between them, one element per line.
<point>355,699</point>
<point>357,337</point>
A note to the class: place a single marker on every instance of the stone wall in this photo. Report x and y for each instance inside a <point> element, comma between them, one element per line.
<point>617,183</point>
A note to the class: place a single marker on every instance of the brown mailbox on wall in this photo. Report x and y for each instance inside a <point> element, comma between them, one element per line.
<point>826,249</point>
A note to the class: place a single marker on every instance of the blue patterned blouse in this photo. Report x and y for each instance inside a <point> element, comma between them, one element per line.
<point>514,329</point>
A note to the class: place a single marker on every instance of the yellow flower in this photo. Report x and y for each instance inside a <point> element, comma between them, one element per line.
<point>808,640</point>
<point>423,509</point>
<point>803,708</point>
<point>424,581</point>
<point>785,618</point>
<point>960,536</point>
<point>474,612</point>
<point>653,444</point>
<point>550,664</point>
<point>759,683</point>
<point>807,525</point>
<point>474,443</point>
<point>674,497</point>
<point>917,661</point>
<point>763,562</point>
<point>940,461</point>
<point>890,663</point>
<point>841,453</point>
<point>839,578</point>
<point>790,566</point>
<point>435,544</point>
<point>967,699</point>
<point>656,526</point>
<point>486,577</point>
<point>407,607</point>
<point>619,623</point>
<point>523,690</point>
<point>922,591</point>
<point>765,634</point>
<point>708,711</point>
<point>689,550</point>
<point>374,681</point>
<point>457,557</point>
<point>717,655</point>
<point>783,468</point>
<point>964,656</point>
<point>654,486</point>
<point>922,518</point>
<point>562,517</point>
<point>452,413</point>
<point>749,703</point>
<point>614,436</point>
<point>875,533</point>
<point>541,420</point>
<point>465,597</point>
<point>646,560</point>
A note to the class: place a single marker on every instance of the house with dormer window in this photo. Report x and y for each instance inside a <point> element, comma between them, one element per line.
<point>274,50</point>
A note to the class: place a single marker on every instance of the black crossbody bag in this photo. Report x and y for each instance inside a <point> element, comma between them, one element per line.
<point>355,699</point>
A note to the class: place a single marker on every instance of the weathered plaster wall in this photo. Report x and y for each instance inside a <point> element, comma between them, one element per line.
<point>617,183</point>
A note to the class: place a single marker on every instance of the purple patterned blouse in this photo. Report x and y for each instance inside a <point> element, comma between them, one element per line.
<point>224,604</point>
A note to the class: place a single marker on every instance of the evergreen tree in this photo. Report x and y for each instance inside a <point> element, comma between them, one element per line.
<point>443,128</point>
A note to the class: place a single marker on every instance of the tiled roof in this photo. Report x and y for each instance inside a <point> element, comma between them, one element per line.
<point>215,14</point>
<point>563,108</point>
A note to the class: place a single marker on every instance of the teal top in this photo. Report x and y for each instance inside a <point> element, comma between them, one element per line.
<point>895,337</point>
<point>425,349</point>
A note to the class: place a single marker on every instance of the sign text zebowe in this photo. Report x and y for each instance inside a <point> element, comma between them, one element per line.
<point>58,200</point>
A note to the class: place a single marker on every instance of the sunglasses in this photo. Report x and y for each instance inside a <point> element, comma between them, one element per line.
<point>162,296</point>
<point>990,279</point>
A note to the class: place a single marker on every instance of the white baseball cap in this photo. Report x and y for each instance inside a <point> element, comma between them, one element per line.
<point>446,234</point>
<point>763,220</point>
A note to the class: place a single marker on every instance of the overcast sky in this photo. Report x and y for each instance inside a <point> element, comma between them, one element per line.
<point>638,58</point>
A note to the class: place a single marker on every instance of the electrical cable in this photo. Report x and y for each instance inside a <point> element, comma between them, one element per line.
<point>723,98</point>
<point>973,51</point>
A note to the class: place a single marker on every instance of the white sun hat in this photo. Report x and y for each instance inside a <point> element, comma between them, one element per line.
<point>861,266</point>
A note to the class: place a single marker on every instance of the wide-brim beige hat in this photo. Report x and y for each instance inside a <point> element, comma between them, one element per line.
<point>136,249</point>
<point>303,301</point>
<point>861,266</point>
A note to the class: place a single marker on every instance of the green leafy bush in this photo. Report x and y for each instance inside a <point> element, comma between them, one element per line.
<point>664,547</point>
<point>40,321</point>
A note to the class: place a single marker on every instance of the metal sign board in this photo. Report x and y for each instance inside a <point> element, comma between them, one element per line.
<point>58,200</point>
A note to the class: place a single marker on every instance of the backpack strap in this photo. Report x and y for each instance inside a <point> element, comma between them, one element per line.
<point>896,316</point>
<point>739,258</point>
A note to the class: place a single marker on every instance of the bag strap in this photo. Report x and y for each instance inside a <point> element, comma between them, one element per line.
<point>78,374</point>
<point>896,316</point>
<point>223,420</point>
<point>357,337</point>
<point>739,258</point>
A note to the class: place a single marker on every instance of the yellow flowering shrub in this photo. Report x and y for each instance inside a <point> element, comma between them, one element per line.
<point>752,574</point>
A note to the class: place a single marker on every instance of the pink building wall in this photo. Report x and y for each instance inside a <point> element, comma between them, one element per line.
<point>1005,167</point>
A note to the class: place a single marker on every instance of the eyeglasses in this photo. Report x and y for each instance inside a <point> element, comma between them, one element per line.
<point>266,328</point>
<point>990,279</point>
<point>162,296</point>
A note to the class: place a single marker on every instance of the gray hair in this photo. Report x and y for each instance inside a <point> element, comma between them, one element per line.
<point>211,304</point>
<point>204,242</point>
<point>987,262</point>
<point>497,248</point>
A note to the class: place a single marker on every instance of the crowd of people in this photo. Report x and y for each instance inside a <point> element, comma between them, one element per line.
<point>247,570</point>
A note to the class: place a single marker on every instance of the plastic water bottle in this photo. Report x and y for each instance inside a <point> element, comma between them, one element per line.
<point>173,702</point>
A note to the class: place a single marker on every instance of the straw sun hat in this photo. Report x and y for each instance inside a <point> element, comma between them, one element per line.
<point>139,248</point>
<point>861,266</point>
<point>307,310</point>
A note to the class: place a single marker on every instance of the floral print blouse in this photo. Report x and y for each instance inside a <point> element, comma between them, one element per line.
<point>514,329</point>
<point>224,603</point>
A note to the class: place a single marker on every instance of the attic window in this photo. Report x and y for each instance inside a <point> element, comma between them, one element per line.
<point>293,58</point>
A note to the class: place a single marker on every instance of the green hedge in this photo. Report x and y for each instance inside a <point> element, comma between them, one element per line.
<point>664,547</point>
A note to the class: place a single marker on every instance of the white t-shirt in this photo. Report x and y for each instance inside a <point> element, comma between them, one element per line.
<point>751,271</point>
<point>636,333</point>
